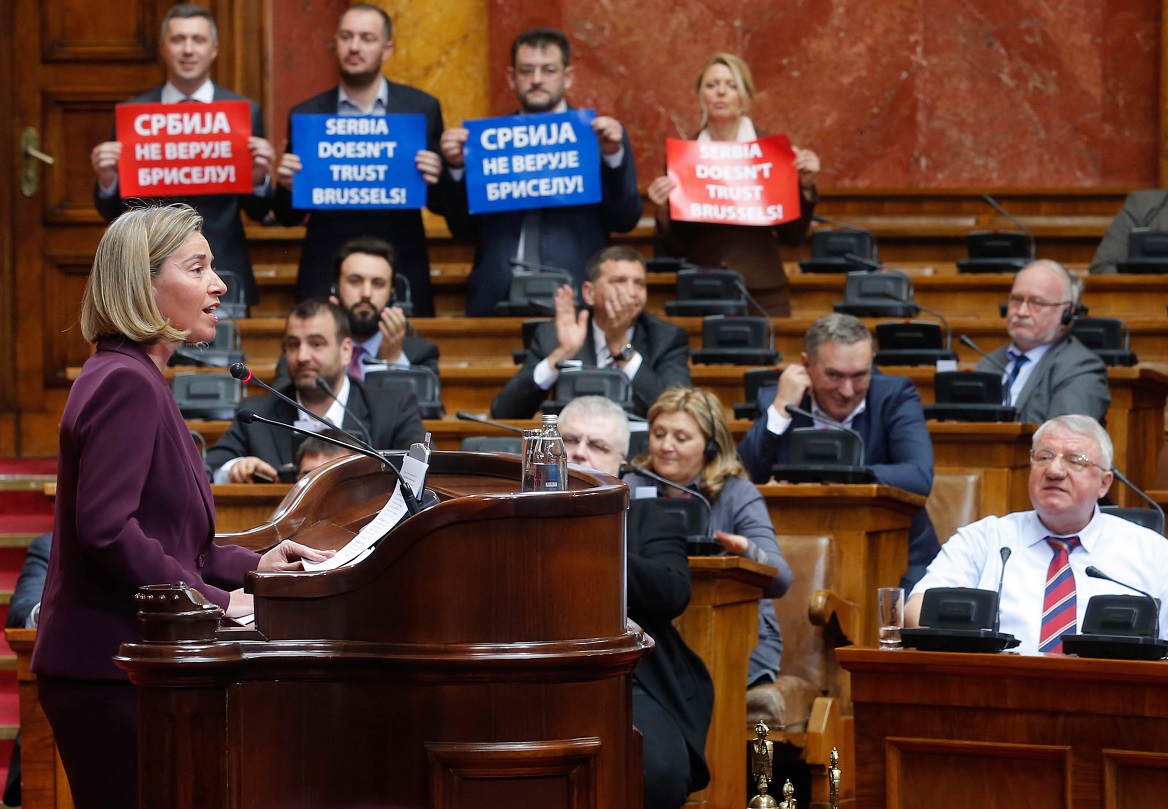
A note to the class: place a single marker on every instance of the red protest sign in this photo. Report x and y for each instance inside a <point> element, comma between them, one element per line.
<point>184,149</point>
<point>729,182</point>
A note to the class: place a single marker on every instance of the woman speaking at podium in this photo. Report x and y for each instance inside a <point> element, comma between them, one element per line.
<point>725,90</point>
<point>690,445</point>
<point>133,503</point>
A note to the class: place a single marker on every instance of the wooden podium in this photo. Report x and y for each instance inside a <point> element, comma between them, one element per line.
<point>1002,731</point>
<point>480,656</point>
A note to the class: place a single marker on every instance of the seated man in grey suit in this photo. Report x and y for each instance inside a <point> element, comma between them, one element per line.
<point>318,347</point>
<point>1048,372</point>
<point>653,354</point>
<point>1141,209</point>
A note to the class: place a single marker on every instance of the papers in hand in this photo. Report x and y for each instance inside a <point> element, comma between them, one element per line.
<point>360,546</point>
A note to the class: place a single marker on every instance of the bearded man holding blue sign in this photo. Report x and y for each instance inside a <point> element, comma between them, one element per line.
<point>541,189</point>
<point>380,130</point>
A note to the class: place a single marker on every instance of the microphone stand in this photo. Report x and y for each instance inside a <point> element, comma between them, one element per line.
<point>241,372</point>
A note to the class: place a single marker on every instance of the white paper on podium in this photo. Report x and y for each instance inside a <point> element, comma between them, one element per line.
<point>414,474</point>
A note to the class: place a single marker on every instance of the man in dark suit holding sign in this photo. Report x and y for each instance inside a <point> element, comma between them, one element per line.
<point>189,45</point>
<point>561,237</point>
<point>363,42</point>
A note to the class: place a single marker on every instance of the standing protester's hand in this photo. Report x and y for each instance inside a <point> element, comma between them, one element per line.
<point>609,134</point>
<point>104,159</point>
<point>807,164</point>
<point>451,144</point>
<point>430,165</point>
<point>660,189</point>
<point>263,157</point>
<point>287,168</point>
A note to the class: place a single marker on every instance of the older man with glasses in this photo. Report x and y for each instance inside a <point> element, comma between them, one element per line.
<point>1045,588</point>
<point>1046,371</point>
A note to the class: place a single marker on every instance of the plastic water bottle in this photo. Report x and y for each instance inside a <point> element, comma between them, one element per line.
<point>545,466</point>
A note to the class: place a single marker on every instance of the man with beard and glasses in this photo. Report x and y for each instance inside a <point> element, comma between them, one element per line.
<point>363,43</point>
<point>564,237</point>
<point>317,345</point>
<point>380,331</point>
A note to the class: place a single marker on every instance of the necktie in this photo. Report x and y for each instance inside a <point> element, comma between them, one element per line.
<point>356,369</point>
<point>1059,612</point>
<point>1019,361</point>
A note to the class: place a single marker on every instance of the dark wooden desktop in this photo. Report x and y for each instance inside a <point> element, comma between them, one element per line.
<point>1004,731</point>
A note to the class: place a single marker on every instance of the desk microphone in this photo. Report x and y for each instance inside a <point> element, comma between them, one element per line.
<point>793,411</point>
<point>770,326</point>
<point>823,220</point>
<point>1029,235</point>
<point>1096,573</point>
<point>328,390</point>
<point>1005,554</point>
<point>241,372</point>
<point>629,469</point>
<point>1142,494</point>
<point>965,340</point>
<point>465,416</point>
<point>934,313</point>
<point>538,268</point>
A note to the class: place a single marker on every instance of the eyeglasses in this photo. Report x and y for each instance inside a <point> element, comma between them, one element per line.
<point>531,71</point>
<point>594,444</point>
<point>1075,461</point>
<point>1016,302</point>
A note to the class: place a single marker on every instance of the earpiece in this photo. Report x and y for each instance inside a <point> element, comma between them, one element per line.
<point>711,450</point>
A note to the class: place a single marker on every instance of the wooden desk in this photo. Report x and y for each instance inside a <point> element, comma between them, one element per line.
<point>490,340</point>
<point>42,778</point>
<point>1000,452</point>
<point>978,296</point>
<point>1135,420</point>
<point>721,626</point>
<point>1006,731</point>
<point>870,525</point>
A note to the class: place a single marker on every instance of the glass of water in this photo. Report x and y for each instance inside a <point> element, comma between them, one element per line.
<point>890,606</point>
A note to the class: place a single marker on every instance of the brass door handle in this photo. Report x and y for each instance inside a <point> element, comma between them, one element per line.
<point>29,155</point>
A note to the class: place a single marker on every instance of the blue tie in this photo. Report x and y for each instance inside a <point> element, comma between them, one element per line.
<point>1019,360</point>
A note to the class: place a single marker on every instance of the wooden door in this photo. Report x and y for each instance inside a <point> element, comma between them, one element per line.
<point>71,62</point>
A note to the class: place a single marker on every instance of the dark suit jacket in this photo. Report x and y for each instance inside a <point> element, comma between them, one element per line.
<point>418,350</point>
<point>569,235</point>
<point>133,508</point>
<point>30,586</point>
<point>897,448</point>
<point>663,346</point>
<point>390,418</point>
<point>658,591</point>
<point>1070,378</point>
<point>221,222</point>
<point>1141,209</point>
<point>328,230</point>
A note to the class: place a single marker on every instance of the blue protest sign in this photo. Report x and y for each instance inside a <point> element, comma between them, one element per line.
<point>358,161</point>
<point>532,161</point>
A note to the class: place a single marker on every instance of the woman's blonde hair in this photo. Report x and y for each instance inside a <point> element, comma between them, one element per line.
<point>704,407</point>
<point>742,77</point>
<point>119,296</point>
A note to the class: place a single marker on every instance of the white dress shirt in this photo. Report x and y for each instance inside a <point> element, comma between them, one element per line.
<point>1118,547</point>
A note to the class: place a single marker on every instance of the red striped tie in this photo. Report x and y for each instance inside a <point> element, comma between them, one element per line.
<point>1059,612</point>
